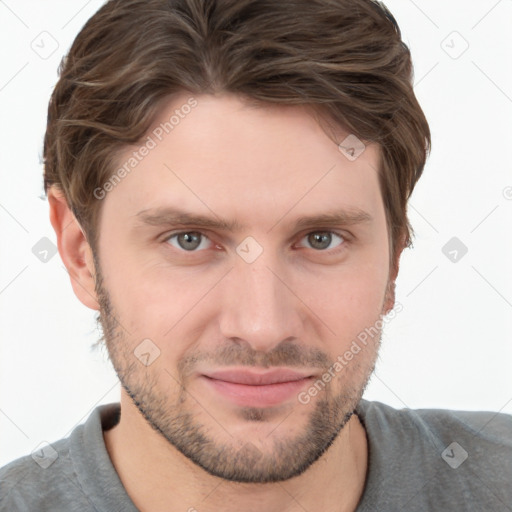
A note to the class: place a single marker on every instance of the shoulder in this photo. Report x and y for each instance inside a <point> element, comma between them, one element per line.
<point>487,424</point>
<point>489,427</point>
<point>72,474</point>
<point>483,435</point>
<point>438,457</point>
<point>44,480</point>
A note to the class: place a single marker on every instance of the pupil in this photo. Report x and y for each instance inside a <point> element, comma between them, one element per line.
<point>320,240</point>
<point>189,240</point>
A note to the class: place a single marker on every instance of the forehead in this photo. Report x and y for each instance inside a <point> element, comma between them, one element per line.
<point>222,155</point>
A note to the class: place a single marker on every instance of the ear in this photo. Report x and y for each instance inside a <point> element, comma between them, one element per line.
<point>73,248</point>
<point>389,300</point>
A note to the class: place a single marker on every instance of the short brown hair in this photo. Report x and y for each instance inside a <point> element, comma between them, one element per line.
<point>343,58</point>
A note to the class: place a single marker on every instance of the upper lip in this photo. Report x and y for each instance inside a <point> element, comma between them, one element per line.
<point>258,378</point>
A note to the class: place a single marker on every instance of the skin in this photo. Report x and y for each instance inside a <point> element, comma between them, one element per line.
<point>180,445</point>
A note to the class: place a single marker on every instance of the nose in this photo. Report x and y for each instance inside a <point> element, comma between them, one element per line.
<point>260,306</point>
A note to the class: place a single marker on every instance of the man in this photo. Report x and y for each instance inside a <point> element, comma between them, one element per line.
<point>228,183</point>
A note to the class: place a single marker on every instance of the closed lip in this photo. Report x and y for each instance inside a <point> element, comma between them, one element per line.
<point>254,378</point>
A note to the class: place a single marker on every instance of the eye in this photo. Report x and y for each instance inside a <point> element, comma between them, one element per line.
<point>193,241</point>
<point>322,240</point>
<point>189,241</point>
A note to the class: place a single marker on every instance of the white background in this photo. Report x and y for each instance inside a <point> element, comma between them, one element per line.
<point>450,347</point>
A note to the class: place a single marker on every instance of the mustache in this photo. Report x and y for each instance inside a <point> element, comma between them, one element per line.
<point>286,353</point>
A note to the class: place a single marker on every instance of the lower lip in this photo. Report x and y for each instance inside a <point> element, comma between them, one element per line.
<point>257,396</point>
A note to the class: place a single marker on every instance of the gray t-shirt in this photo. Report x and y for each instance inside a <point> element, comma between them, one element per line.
<point>419,460</point>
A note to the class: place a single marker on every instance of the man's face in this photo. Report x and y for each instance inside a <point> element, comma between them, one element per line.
<point>269,289</point>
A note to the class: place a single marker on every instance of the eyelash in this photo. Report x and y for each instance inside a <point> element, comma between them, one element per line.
<point>345,240</point>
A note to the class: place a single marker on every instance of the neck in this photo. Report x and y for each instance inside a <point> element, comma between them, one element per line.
<point>157,477</point>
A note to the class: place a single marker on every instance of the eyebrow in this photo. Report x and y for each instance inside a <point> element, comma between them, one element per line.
<point>171,216</point>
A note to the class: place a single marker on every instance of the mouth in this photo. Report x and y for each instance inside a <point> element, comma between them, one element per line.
<point>257,389</point>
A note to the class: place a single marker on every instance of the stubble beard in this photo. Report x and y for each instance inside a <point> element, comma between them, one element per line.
<point>287,457</point>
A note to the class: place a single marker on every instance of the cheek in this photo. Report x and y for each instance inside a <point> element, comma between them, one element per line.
<point>350,300</point>
<point>152,300</point>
